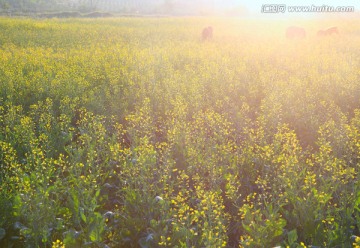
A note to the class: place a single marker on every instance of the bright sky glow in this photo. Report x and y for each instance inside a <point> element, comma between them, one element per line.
<point>254,7</point>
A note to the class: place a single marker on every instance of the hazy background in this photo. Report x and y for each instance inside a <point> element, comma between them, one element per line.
<point>240,8</point>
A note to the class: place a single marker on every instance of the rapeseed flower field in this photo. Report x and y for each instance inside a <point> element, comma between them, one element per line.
<point>136,132</point>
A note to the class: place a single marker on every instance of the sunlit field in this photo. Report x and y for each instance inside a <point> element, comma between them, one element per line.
<point>134,132</point>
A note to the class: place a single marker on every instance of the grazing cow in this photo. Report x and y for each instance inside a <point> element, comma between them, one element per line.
<point>207,33</point>
<point>295,33</point>
<point>328,31</point>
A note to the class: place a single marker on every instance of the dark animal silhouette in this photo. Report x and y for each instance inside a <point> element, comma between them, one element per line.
<point>328,31</point>
<point>294,32</point>
<point>207,33</point>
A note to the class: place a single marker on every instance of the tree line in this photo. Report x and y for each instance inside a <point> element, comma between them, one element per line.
<point>85,5</point>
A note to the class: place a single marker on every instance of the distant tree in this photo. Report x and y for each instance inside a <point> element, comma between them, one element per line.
<point>4,4</point>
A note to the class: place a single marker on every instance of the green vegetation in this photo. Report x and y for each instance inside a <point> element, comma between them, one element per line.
<point>132,132</point>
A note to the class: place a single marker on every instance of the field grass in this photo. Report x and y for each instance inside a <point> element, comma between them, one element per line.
<point>133,132</point>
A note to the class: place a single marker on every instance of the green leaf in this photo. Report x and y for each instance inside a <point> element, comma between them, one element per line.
<point>95,233</point>
<point>278,232</point>
<point>17,204</point>
<point>247,228</point>
<point>75,199</point>
<point>97,193</point>
<point>82,215</point>
<point>49,189</point>
<point>357,202</point>
<point>292,237</point>
<point>69,238</point>
<point>96,227</point>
